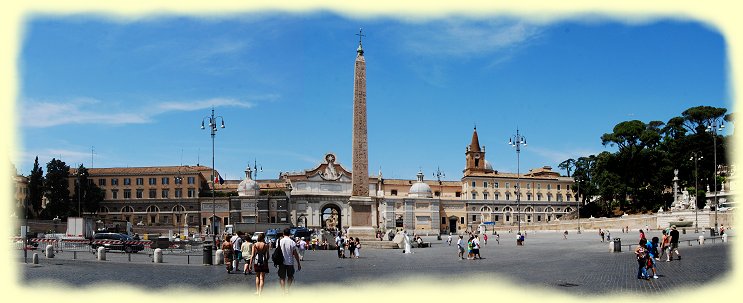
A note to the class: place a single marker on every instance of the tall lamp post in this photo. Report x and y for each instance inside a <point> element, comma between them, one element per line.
<point>178,180</point>
<point>696,156</point>
<point>257,188</point>
<point>579,202</point>
<point>438,174</point>
<point>713,128</point>
<point>79,184</point>
<point>213,129</point>
<point>517,141</point>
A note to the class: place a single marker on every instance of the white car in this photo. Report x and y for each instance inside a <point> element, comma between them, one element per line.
<point>255,236</point>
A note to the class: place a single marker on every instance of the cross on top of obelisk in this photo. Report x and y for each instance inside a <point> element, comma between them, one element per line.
<point>360,50</point>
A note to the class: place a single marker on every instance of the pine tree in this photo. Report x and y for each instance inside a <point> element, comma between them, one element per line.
<point>35,189</point>
<point>57,190</point>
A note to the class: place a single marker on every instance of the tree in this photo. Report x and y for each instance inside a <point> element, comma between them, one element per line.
<point>56,190</point>
<point>35,189</point>
<point>567,165</point>
<point>696,119</point>
<point>90,194</point>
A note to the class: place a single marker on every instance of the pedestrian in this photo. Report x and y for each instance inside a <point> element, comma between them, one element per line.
<point>228,253</point>
<point>642,234</point>
<point>665,244</point>
<point>448,240</point>
<point>259,260</point>
<point>476,248</point>
<point>460,247</point>
<point>237,243</point>
<point>357,252</point>
<point>565,235</point>
<point>674,244</point>
<point>302,247</point>
<point>601,234</point>
<point>641,255</point>
<point>722,229</point>
<point>497,239</point>
<point>608,235</point>
<point>652,251</point>
<point>470,247</point>
<point>246,249</point>
<point>485,238</point>
<point>286,269</point>
<point>351,248</point>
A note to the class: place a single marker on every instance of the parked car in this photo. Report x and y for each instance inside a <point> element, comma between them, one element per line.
<point>300,232</point>
<point>120,245</point>
<point>271,236</point>
<point>255,236</point>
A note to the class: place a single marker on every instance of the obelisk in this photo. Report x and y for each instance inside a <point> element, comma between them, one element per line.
<point>362,206</point>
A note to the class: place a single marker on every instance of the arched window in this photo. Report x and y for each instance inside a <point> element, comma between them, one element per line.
<point>127,209</point>
<point>485,209</point>
<point>153,214</point>
<point>528,209</point>
<point>507,209</point>
<point>568,209</point>
<point>549,209</point>
<point>102,209</point>
<point>179,209</point>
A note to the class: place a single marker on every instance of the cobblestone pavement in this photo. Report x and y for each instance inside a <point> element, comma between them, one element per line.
<point>579,265</point>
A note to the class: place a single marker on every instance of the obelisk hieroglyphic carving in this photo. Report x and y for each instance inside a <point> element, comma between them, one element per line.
<point>362,206</point>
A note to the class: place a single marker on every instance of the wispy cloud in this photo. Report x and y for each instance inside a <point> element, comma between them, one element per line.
<point>454,37</point>
<point>70,157</point>
<point>558,156</point>
<point>40,114</point>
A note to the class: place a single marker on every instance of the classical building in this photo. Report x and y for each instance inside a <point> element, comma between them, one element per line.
<point>153,196</point>
<point>491,195</point>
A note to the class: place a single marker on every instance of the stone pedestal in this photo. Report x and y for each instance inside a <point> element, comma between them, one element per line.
<point>362,222</point>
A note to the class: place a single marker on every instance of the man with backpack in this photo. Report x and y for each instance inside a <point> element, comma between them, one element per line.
<point>288,251</point>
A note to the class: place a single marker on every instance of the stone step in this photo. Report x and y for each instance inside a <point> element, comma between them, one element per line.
<point>378,244</point>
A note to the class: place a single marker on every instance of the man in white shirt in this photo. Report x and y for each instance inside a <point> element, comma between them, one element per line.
<point>302,246</point>
<point>236,241</point>
<point>286,270</point>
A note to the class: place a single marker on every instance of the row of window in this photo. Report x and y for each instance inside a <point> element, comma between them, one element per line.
<point>151,181</point>
<point>485,196</point>
<point>528,185</point>
<point>164,193</point>
<point>436,193</point>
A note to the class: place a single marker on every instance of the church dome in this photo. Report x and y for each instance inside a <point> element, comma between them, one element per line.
<point>488,166</point>
<point>247,187</point>
<point>420,189</point>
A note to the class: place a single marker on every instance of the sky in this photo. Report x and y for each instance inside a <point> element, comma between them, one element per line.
<point>112,93</point>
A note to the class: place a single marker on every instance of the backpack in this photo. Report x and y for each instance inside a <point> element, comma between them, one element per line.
<point>260,259</point>
<point>277,257</point>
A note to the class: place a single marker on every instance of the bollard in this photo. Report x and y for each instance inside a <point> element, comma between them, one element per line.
<point>724,238</point>
<point>611,246</point>
<point>219,257</point>
<point>49,251</point>
<point>701,239</point>
<point>101,254</point>
<point>35,258</point>
<point>158,256</point>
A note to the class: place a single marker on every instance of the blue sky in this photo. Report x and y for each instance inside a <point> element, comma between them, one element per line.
<point>137,91</point>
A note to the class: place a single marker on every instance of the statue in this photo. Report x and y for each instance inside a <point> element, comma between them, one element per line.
<point>330,173</point>
<point>332,222</point>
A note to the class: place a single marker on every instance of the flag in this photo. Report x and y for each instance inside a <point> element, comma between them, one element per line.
<point>218,179</point>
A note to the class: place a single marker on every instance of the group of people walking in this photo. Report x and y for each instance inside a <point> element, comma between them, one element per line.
<point>647,252</point>
<point>350,244</point>
<point>256,256</point>
<point>472,246</point>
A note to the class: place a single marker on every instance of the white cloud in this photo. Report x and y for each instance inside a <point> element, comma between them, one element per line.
<point>465,38</point>
<point>558,156</point>
<point>40,114</point>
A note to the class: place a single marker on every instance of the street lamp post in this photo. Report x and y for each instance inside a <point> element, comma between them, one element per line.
<point>516,141</point>
<point>79,184</point>
<point>696,156</point>
<point>257,188</point>
<point>438,174</point>
<point>579,203</point>
<point>714,127</point>
<point>213,129</point>
<point>178,180</point>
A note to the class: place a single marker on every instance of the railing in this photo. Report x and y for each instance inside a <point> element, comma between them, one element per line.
<point>688,242</point>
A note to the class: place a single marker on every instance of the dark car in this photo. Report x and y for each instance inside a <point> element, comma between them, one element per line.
<point>114,241</point>
<point>300,232</point>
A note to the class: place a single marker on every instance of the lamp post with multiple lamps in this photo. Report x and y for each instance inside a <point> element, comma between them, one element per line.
<point>577,181</point>
<point>77,179</point>
<point>438,175</point>
<point>517,141</point>
<point>178,180</point>
<point>696,156</point>
<point>257,190</point>
<point>213,130</point>
<point>713,128</point>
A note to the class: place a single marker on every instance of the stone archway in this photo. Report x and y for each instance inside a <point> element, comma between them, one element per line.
<point>330,217</point>
<point>301,221</point>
